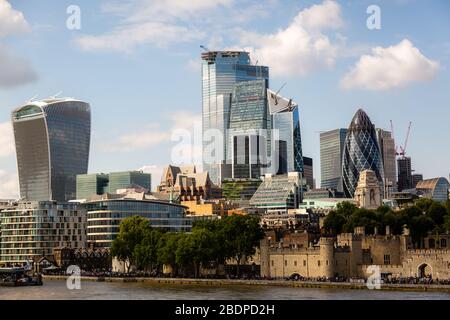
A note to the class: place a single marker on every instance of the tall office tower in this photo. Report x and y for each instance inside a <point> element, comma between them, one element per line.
<point>308,172</point>
<point>387,149</point>
<point>123,180</point>
<point>249,135</point>
<point>286,130</point>
<point>221,70</point>
<point>404,173</point>
<point>52,139</point>
<point>361,152</point>
<point>331,151</point>
<point>416,178</point>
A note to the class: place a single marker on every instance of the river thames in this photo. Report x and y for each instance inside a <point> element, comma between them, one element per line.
<point>57,290</point>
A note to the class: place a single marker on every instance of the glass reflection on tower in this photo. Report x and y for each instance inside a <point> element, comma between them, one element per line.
<point>52,140</point>
<point>361,152</point>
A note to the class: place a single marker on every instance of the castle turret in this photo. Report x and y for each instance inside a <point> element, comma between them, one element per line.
<point>327,256</point>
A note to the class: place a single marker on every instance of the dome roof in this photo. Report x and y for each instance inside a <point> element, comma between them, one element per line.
<point>361,121</point>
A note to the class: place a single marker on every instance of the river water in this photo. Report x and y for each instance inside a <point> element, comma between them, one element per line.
<point>57,289</point>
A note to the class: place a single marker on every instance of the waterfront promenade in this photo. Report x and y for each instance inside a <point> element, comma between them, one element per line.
<point>274,283</point>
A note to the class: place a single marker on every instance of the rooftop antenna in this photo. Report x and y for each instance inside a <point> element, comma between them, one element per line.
<point>55,95</point>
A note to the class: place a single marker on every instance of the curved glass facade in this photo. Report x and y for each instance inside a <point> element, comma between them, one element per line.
<point>361,152</point>
<point>52,144</point>
<point>104,218</point>
<point>436,189</point>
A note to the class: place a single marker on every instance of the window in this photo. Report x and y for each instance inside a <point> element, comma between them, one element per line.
<point>304,263</point>
<point>387,259</point>
<point>272,263</point>
<point>295,263</point>
<point>285,263</point>
<point>443,243</point>
<point>318,263</point>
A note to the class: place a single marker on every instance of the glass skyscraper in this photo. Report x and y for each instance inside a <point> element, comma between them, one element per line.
<point>221,70</point>
<point>249,135</point>
<point>286,125</point>
<point>331,150</point>
<point>387,149</point>
<point>52,140</point>
<point>361,152</point>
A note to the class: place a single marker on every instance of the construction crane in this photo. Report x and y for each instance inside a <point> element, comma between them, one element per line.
<point>401,150</point>
<point>204,48</point>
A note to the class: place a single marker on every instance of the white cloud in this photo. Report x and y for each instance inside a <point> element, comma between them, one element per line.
<point>194,65</point>
<point>147,138</point>
<point>127,38</point>
<point>321,16</point>
<point>162,10</point>
<point>155,22</point>
<point>14,69</point>
<point>392,67</point>
<point>153,134</point>
<point>6,140</point>
<point>9,185</point>
<point>155,171</point>
<point>11,21</point>
<point>300,48</point>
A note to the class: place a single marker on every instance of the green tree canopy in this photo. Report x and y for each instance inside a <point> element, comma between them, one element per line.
<point>243,234</point>
<point>131,233</point>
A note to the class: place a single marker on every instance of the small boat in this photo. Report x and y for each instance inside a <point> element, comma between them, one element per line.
<point>19,277</point>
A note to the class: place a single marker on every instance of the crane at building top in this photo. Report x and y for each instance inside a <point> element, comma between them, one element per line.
<point>401,150</point>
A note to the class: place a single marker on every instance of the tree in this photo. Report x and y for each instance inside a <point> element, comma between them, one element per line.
<point>197,248</point>
<point>424,204</point>
<point>243,236</point>
<point>219,240</point>
<point>131,233</point>
<point>437,212</point>
<point>420,227</point>
<point>146,253</point>
<point>406,215</point>
<point>447,223</point>
<point>334,222</point>
<point>166,252</point>
<point>346,209</point>
<point>447,206</point>
<point>362,218</point>
<point>184,251</point>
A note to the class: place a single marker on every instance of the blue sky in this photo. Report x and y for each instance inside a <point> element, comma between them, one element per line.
<point>138,64</point>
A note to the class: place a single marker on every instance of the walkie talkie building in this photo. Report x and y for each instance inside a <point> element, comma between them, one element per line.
<point>52,140</point>
<point>361,152</point>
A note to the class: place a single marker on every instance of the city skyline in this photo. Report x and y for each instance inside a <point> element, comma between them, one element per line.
<point>323,83</point>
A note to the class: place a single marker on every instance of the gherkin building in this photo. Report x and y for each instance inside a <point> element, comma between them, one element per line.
<point>361,152</point>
